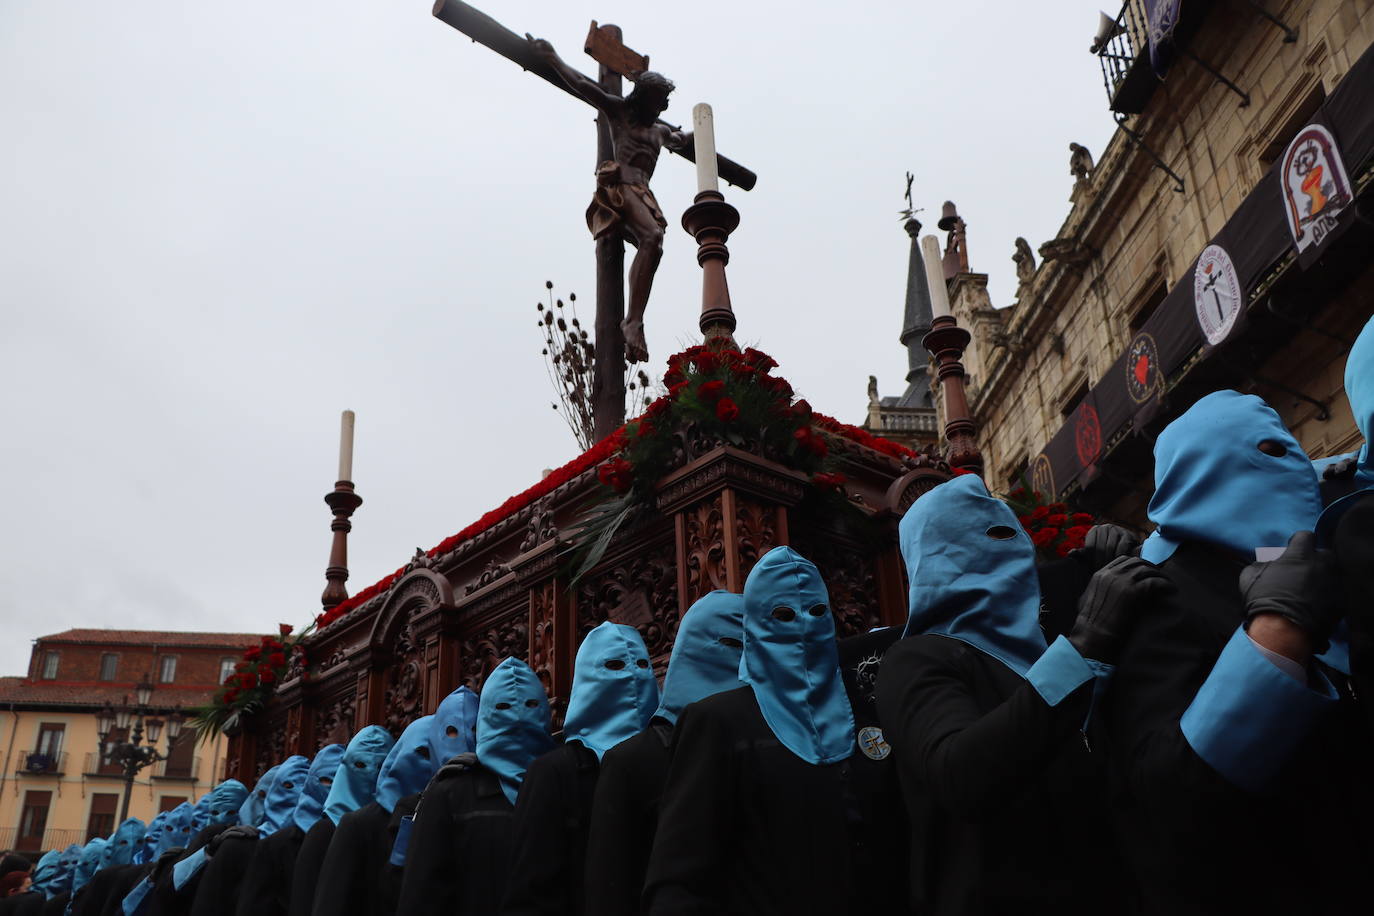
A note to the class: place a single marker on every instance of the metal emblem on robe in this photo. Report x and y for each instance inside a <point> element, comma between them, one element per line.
<point>873,744</point>
<point>1315,186</point>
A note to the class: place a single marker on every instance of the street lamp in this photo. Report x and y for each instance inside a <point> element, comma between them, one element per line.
<point>130,753</point>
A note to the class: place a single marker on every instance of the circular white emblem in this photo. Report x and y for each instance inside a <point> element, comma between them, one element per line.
<point>873,744</point>
<point>1217,296</point>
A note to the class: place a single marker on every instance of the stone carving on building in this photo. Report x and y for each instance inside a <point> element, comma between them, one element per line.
<point>1067,250</point>
<point>1080,162</point>
<point>1025,263</point>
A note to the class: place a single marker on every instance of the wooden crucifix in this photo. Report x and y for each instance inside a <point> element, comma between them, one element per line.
<point>630,135</point>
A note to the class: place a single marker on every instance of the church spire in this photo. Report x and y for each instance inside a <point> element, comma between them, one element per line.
<point>916,322</point>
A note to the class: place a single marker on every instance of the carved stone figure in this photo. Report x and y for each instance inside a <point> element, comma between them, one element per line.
<point>1080,162</point>
<point>873,391</point>
<point>1025,261</point>
<point>623,202</point>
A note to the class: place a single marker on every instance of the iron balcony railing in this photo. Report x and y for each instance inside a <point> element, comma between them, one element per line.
<point>50,839</point>
<point>1125,60</point>
<point>34,763</point>
<point>177,769</point>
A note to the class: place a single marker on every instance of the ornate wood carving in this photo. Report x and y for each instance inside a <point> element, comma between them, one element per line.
<point>641,591</point>
<point>851,578</point>
<point>756,532</point>
<point>490,573</point>
<point>543,612</point>
<point>540,527</point>
<point>704,547</point>
<point>334,723</point>
<point>483,651</point>
<point>404,696</point>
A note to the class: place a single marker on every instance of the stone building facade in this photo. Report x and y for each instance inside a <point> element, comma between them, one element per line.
<point>1194,163</point>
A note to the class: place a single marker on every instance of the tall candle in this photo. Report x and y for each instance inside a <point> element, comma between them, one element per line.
<point>935,276</point>
<point>704,135</point>
<point>346,446</point>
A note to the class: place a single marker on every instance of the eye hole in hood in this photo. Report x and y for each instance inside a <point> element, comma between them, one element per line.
<point>1001,532</point>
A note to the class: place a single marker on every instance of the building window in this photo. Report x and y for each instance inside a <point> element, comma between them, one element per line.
<point>1300,118</point>
<point>1072,401</point>
<point>226,668</point>
<point>181,762</point>
<point>169,802</point>
<point>104,767</point>
<point>33,820</point>
<point>102,820</point>
<point>1146,305</point>
<point>109,666</point>
<point>50,739</point>
<point>50,660</point>
<point>167,669</point>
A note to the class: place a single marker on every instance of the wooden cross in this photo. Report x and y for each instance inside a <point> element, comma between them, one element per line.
<point>605,46</point>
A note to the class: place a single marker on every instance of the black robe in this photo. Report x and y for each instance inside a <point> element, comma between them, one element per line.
<point>748,828</point>
<point>1197,843</point>
<point>90,900</point>
<point>126,879</point>
<point>266,886</point>
<point>165,899</point>
<point>29,903</point>
<point>220,881</point>
<point>458,857</point>
<point>1006,805</point>
<point>306,874</point>
<point>1353,541</point>
<point>57,906</point>
<point>624,819</point>
<point>552,815</point>
<point>357,877</point>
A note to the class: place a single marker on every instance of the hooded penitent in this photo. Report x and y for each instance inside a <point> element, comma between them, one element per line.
<point>176,830</point>
<point>45,872</point>
<point>147,849</point>
<point>409,766</point>
<point>972,572</point>
<point>310,806</point>
<point>284,794</point>
<point>1214,484</point>
<point>791,660</point>
<point>66,868</point>
<point>89,863</point>
<point>512,723</point>
<point>1359,390</point>
<point>614,693</point>
<point>454,723</point>
<point>254,807</point>
<point>706,652</point>
<point>223,803</point>
<point>355,779</point>
<point>124,842</point>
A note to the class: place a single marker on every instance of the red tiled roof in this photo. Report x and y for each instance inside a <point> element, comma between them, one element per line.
<point>160,638</point>
<point>21,690</point>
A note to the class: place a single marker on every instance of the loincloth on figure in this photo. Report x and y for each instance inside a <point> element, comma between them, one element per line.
<point>608,203</point>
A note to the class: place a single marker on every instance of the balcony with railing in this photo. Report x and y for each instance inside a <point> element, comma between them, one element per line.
<point>1123,50</point>
<point>172,769</point>
<point>10,838</point>
<point>95,765</point>
<point>34,763</point>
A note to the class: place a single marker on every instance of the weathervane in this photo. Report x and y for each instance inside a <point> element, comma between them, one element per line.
<point>909,213</point>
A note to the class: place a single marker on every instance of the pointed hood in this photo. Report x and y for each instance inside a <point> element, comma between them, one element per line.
<point>147,849</point>
<point>409,766</point>
<point>284,794</point>
<point>89,863</point>
<point>972,572</point>
<point>176,830</point>
<point>254,807</point>
<point>123,843</point>
<point>454,724</point>
<point>706,652</point>
<point>223,803</point>
<point>45,872</point>
<point>66,868</point>
<point>1213,484</point>
<point>614,693</point>
<point>1359,390</point>
<point>791,658</point>
<point>310,807</point>
<point>512,723</point>
<point>355,779</point>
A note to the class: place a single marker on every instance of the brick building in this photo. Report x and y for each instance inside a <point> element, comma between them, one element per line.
<point>1122,325</point>
<point>54,787</point>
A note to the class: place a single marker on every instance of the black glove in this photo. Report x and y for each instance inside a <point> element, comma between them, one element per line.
<point>1303,585</point>
<point>1105,543</point>
<point>1109,604</point>
<point>238,831</point>
<point>459,763</point>
<point>1341,470</point>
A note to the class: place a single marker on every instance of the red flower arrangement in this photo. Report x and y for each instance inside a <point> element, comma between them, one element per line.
<point>252,682</point>
<point>1053,527</point>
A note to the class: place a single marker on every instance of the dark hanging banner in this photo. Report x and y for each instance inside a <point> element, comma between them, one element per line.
<point>1161,18</point>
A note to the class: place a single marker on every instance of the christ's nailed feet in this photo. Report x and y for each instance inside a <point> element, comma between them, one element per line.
<point>636,348</point>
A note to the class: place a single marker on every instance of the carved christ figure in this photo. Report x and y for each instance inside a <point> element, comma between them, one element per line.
<point>623,203</point>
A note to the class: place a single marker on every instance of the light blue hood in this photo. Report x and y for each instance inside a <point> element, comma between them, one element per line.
<point>45,873</point>
<point>512,723</point>
<point>176,830</point>
<point>254,807</point>
<point>355,780</point>
<point>614,693</point>
<point>409,766</point>
<point>147,849</point>
<point>972,572</point>
<point>223,803</point>
<point>284,794</point>
<point>706,652</point>
<point>310,807</point>
<point>89,863</point>
<point>123,843</point>
<point>791,659</point>
<point>1213,484</point>
<point>66,868</point>
<point>454,723</point>
<point>1359,390</point>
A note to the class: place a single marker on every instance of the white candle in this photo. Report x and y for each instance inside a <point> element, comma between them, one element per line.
<point>935,276</point>
<point>704,135</point>
<point>346,446</point>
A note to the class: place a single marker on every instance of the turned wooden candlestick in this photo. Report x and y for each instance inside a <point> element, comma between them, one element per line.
<point>342,501</point>
<point>946,342</point>
<point>710,220</point>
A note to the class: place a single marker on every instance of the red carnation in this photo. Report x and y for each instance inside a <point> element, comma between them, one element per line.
<point>829,481</point>
<point>1082,518</point>
<point>1025,521</point>
<point>706,362</point>
<point>1058,508</point>
<point>646,429</point>
<point>617,474</point>
<point>1044,536</point>
<point>1039,513</point>
<point>276,660</point>
<point>676,388</point>
<point>657,408</point>
<point>674,378</point>
<point>711,391</point>
<point>801,410</point>
<point>808,440</point>
<point>760,359</point>
<point>727,411</point>
<point>285,629</point>
<point>267,676</point>
<point>230,695</point>
<point>1058,520</point>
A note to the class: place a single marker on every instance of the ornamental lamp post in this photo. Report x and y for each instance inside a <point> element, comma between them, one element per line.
<point>130,753</point>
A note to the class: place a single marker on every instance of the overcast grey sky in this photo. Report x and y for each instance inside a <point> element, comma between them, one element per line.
<point>222,224</point>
